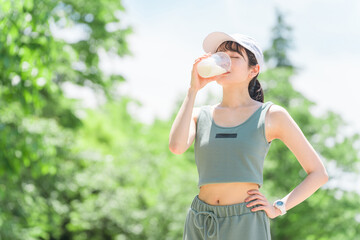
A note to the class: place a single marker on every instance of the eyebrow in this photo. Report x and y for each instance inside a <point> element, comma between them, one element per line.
<point>233,53</point>
<point>236,54</point>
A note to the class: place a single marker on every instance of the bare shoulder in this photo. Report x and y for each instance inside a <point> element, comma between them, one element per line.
<point>277,110</point>
<point>279,121</point>
<point>195,113</point>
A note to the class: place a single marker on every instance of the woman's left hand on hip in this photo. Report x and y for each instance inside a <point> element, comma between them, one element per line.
<point>269,209</point>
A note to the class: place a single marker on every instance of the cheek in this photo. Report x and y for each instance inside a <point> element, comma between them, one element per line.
<point>239,69</point>
<point>237,64</point>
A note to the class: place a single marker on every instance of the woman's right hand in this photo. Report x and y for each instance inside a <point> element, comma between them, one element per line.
<point>198,82</point>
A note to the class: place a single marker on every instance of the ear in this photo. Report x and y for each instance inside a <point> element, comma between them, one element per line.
<point>254,70</point>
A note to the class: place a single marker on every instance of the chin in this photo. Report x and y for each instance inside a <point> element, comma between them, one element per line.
<point>222,78</point>
<point>223,81</point>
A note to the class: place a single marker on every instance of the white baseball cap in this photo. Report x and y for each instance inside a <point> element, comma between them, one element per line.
<point>214,39</point>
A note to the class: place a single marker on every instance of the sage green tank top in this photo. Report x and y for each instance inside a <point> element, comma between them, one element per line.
<point>231,154</point>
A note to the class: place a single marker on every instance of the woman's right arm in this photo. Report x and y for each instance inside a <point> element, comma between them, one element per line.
<point>183,129</point>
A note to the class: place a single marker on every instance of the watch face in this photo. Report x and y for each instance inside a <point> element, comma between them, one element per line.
<point>279,203</point>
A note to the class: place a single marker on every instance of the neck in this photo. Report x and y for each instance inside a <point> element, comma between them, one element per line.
<point>236,96</point>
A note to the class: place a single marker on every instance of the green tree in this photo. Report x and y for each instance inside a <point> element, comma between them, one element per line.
<point>276,55</point>
<point>38,123</point>
<point>144,188</point>
<point>108,176</point>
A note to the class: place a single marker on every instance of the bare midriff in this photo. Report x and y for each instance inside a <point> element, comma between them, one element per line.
<point>226,193</point>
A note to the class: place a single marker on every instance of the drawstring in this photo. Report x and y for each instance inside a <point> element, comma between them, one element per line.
<point>213,218</point>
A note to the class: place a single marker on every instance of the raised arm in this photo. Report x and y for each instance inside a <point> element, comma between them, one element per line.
<point>183,129</point>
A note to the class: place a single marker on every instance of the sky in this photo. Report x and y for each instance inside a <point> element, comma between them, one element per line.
<point>168,37</point>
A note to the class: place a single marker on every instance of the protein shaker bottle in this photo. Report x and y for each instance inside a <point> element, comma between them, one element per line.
<point>218,63</point>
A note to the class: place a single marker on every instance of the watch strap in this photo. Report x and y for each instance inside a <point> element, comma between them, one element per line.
<point>281,207</point>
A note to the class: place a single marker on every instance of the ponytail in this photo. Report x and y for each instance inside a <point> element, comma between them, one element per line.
<point>255,90</point>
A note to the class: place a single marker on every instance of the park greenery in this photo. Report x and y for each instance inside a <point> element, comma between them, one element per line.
<point>70,172</point>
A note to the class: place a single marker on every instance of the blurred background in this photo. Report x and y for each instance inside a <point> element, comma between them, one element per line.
<point>89,91</point>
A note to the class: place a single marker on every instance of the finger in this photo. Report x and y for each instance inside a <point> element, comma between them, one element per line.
<point>255,196</point>
<point>206,55</point>
<point>203,57</point>
<point>255,191</point>
<point>199,59</point>
<point>258,208</point>
<point>254,199</point>
<point>256,202</point>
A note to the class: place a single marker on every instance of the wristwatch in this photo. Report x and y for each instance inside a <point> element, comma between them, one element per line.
<point>280,205</point>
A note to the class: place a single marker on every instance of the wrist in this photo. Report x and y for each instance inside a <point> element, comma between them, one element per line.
<point>192,90</point>
<point>278,212</point>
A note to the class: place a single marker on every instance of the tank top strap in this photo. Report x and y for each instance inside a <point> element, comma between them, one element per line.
<point>204,117</point>
<point>206,111</point>
<point>263,112</point>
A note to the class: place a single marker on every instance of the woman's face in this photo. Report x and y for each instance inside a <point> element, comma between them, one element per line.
<point>239,72</point>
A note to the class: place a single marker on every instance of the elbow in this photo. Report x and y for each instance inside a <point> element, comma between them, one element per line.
<point>172,147</point>
<point>320,176</point>
<point>324,176</point>
<point>175,149</point>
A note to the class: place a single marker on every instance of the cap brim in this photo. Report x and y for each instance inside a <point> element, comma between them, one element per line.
<point>214,39</point>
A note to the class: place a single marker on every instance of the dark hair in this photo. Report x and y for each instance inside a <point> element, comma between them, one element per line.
<point>255,89</point>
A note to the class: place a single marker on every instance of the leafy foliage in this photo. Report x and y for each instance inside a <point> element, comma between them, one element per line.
<point>38,124</point>
<point>104,175</point>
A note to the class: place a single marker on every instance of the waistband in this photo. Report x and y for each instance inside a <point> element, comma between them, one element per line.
<point>203,213</point>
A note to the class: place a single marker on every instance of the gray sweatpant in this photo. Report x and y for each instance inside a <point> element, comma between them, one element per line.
<point>225,222</point>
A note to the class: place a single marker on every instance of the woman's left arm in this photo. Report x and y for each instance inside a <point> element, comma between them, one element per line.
<point>283,127</point>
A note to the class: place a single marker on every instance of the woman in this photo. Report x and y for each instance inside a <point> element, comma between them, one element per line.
<point>232,139</point>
